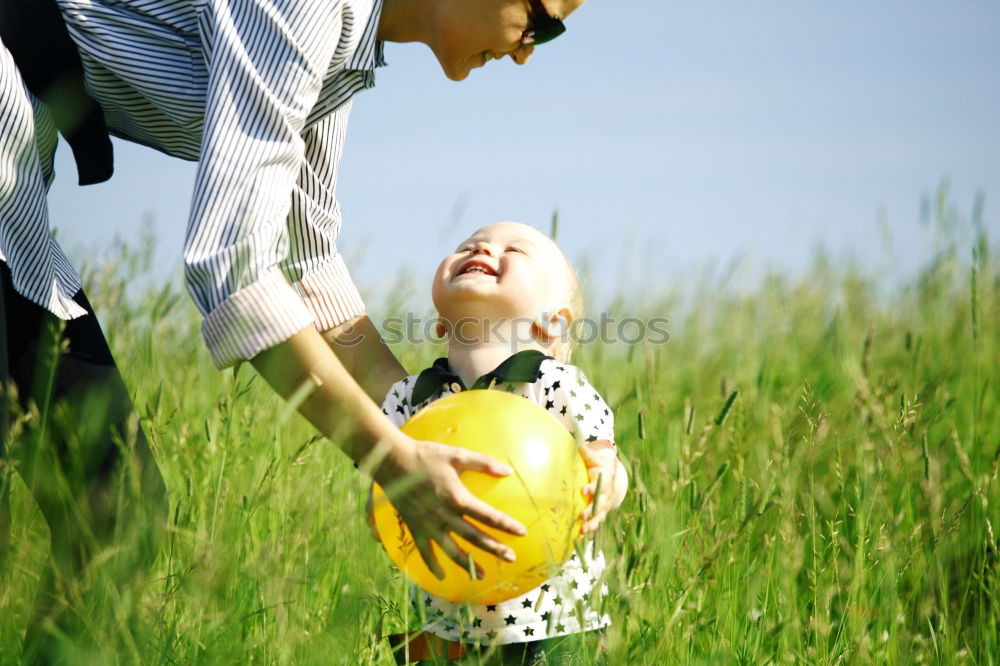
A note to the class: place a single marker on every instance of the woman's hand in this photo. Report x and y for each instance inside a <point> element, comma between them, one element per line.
<point>608,483</point>
<point>422,481</point>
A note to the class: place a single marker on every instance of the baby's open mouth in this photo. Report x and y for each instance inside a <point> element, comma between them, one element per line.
<point>475,266</point>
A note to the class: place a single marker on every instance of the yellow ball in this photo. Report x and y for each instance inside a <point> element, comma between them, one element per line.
<point>544,493</point>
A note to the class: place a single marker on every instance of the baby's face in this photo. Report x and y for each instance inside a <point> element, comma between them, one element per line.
<point>504,270</point>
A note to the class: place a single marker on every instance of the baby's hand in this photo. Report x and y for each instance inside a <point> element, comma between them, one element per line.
<point>606,485</point>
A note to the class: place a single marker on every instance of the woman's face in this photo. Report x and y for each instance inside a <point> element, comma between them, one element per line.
<point>470,33</point>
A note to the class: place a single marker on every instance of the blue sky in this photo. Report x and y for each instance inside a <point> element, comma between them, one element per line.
<point>670,136</point>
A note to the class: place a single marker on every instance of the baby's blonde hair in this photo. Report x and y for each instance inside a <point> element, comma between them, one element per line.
<point>564,349</point>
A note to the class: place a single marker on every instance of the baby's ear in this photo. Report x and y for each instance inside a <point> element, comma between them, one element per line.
<point>553,327</point>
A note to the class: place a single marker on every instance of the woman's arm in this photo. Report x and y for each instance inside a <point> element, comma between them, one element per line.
<point>306,372</point>
<point>265,77</point>
<point>365,356</point>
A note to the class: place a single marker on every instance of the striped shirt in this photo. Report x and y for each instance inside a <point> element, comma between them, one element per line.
<point>259,93</point>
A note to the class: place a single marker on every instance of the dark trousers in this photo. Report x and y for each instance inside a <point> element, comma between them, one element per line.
<point>581,649</point>
<point>585,649</point>
<point>68,429</point>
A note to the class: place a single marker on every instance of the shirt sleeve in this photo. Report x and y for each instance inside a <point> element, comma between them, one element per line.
<point>578,406</point>
<point>397,402</point>
<point>266,65</point>
<point>318,270</point>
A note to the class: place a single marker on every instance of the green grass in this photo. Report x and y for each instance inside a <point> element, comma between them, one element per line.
<point>813,466</point>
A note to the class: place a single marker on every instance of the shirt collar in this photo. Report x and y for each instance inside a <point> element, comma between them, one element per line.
<point>369,53</point>
<point>524,366</point>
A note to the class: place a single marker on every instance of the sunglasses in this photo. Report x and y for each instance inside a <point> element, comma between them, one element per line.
<point>544,26</point>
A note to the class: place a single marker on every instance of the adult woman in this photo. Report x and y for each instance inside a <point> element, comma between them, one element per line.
<point>259,93</point>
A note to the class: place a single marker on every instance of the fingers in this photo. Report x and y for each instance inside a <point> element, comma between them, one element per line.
<point>448,518</point>
<point>480,462</point>
<point>453,551</point>
<point>460,527</point>
<point>595,512</point>
<point>473,507</point>
<point>449,485</point>
<point>592,521</point>
<point>439,503</point>
<point>427,555</point>
<point>460,556</point>
<point>482,540</point>
<point>468,504</point>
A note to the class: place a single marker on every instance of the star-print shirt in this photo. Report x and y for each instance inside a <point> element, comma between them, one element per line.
<point>572,600</point>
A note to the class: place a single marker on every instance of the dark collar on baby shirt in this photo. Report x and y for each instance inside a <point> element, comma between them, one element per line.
<point>524,366</point>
